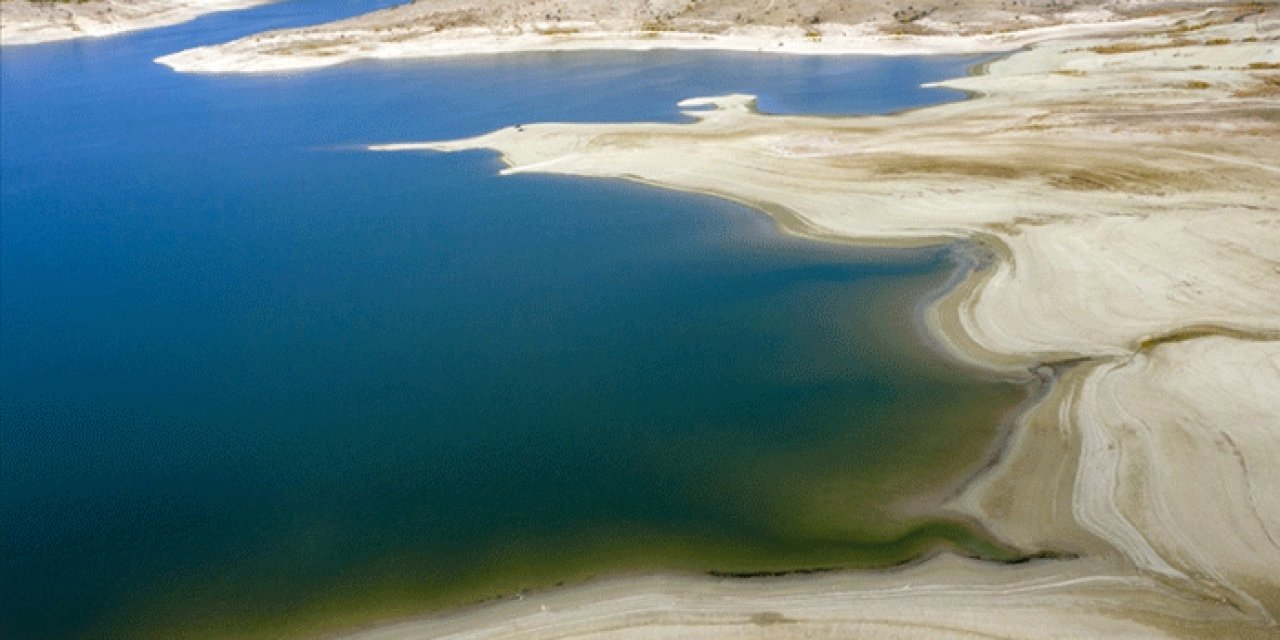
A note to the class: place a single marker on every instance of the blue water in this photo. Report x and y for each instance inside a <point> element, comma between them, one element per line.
<point>258,381</point>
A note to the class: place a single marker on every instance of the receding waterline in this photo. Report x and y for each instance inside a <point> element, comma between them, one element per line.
<point>256,386</point>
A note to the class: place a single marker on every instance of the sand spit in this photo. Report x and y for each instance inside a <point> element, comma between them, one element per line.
<point>1128,193</point>
<point>26,22</point>
<point>470,27</point>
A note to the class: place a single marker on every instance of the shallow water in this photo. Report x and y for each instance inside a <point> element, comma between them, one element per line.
<point>258,381</point>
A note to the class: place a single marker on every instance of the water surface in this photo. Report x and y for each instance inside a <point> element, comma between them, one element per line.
<point>258,381</point>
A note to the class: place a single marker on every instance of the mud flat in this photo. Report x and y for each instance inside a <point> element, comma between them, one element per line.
<point>25,22</point>
<point>1125,192</point>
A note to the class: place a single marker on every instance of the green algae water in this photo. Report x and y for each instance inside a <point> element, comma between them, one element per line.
<point>260,383</point>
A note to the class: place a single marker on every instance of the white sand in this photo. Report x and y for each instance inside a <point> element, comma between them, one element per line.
<point>25,22</point>
<point>1179,449</point>
<point>1129,192</point>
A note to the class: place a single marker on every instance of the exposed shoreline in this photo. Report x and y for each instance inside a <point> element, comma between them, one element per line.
<point>941,597</point>
<point>448,28</point>
<point>23,22</point>
<point>302,49</point>
<point>1136,235</point>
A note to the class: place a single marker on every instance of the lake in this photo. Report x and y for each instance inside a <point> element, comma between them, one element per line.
<point>257,381</point>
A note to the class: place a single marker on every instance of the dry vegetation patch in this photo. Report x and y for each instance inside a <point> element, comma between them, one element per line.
<point>1267,86</point>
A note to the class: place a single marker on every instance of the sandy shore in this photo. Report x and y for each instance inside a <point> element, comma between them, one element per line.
<point>1126,188</point>
<point>814,27</point>
<point>945,598</point>
<point>290,51</point>
<point>25,22</point>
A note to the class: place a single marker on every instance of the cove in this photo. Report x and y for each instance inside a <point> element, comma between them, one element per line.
<point>259,382</point>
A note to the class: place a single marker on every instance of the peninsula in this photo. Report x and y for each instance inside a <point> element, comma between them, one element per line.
<point>36,21</point>
<point>469,27</point>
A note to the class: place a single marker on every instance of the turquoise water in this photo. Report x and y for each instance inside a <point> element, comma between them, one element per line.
<point>258,381</point>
